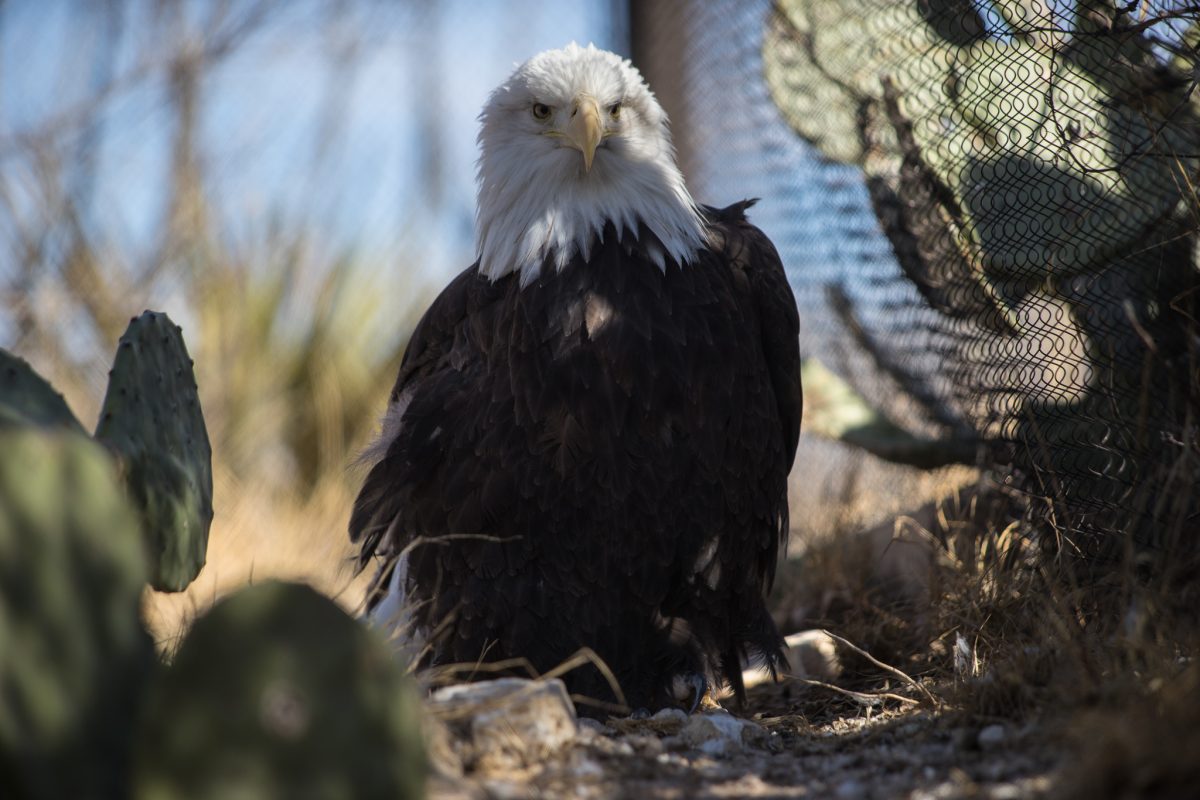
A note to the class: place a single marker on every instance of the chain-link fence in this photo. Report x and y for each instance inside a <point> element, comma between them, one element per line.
<point>988,215</point>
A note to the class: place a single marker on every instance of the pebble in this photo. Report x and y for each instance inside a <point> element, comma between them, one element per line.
<point>850,788</point>
<point>671,715</point>
<point>719,733</point>
<point>645,744</point>
<point>992,736</point>
<point>590,729</point>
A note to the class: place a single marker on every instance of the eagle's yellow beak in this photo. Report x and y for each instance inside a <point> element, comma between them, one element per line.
<point>584,131</point>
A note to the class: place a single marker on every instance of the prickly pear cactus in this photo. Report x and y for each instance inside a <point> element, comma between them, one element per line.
<point>1081,200</point>
<point>152,419</point>
<point>276,692</point>
<point>72,652</point>
<point>27,399</point>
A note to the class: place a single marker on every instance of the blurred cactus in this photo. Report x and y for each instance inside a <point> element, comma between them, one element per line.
<point>1032,165</point>
<point>72,653</point>
<point>1083,167</point>
<point>27,399</point>
<point>276,692</point>
<point>152,419</point>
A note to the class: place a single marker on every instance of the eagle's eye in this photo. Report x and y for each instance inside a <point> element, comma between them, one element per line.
<point>541,111</point>
<point>614,111</point>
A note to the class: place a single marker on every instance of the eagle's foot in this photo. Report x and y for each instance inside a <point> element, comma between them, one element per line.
<point>692,689</point>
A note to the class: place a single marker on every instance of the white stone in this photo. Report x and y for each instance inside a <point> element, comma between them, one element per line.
<point>508,723</point>
<point>718,733</point>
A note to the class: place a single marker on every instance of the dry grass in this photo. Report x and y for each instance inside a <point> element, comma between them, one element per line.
<point>999,628</point>
<point>257,536</point>
<point>1146,745</point>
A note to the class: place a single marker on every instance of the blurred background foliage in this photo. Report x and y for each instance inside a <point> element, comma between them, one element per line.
<point>290,181</point>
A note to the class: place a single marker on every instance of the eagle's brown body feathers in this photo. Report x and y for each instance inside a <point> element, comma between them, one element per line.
<point>622,436</point>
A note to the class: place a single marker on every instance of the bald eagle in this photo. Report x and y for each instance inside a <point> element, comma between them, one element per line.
<point>589,439</point>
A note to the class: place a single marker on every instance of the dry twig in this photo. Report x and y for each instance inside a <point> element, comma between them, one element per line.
<point>929,698</point>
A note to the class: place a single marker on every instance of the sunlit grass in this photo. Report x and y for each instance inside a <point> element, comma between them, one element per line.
<point>258,534</point>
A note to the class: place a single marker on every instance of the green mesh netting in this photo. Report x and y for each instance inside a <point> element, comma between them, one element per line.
<point>988,215</point>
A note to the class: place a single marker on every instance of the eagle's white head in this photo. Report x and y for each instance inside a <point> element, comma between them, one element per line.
<point>574,139</point>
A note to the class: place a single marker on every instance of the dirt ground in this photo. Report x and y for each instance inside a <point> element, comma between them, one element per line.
<point>789,751</point>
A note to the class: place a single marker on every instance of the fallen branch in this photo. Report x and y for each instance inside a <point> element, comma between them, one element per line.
<point>862,698</point>
<point>887,668</point>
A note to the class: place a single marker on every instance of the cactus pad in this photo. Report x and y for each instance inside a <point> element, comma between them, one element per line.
<point>277,692</point>
<point>152,419</point>
<point>1077,201</point>
<point>72,652</point>
<point>27,399</point>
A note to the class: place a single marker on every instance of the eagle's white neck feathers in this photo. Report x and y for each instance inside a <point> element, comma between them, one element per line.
<point>537,203</point>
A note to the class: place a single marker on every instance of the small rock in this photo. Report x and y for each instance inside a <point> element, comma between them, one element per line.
<point>850,788</point>
<point>645,744</point>
<point>621,747</point>
<point>587,768</point>
<point>667,722</point>
<point>507,723</point>
<point>591,728</point>
<point>718,733</point>
<point>594,724</point>
<point>671,715</point>
<point>991,737</point>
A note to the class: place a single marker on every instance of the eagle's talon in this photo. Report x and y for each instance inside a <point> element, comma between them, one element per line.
<point>699,686</point>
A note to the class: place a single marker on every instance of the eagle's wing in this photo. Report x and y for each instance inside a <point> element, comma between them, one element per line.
<point>749,250</point>
<point>438,345</point>
<point>756,266</point>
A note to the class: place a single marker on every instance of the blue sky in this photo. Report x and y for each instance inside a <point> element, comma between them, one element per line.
<point>422,74</point>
